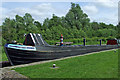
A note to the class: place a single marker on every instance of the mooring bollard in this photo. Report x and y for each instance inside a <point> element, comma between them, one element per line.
<point>115,51</point>
<point>54,65</point>
<point>84,41</point>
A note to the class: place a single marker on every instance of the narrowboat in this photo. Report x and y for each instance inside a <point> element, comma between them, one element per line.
<point>35,49</point>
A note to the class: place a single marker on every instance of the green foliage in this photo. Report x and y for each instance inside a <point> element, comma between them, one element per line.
<point>3,41</point>
<point>14,29</point>
<point>76,17</point>
<point>75,25</point>
<point>3,56</point>
<point>107,32</point>
<point>118,29</point>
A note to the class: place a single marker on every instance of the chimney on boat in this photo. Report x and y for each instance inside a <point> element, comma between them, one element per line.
<point>61,40</point>
<point>84,41</point>
<point>100,42</point>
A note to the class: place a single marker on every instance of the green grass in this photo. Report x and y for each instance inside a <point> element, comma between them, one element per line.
<point>3,56</point>
<point>100,65</point>
<point>0,54</point>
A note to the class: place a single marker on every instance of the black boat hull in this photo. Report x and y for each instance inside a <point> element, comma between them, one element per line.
<point>17,56</point>
<point>36,49</point>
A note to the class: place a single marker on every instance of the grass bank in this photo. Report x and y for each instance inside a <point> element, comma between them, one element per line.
<point>3,56</point>
<point>100,65</point>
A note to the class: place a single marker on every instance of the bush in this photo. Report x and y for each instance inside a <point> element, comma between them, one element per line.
<point>110,37</point>
<point>3,41</point>
<point>75,41</point>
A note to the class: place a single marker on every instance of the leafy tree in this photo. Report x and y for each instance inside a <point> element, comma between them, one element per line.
<point>28,19</point>
<point>95,26</point>
<point>38,24</point>
<point>75,24</point>
<point>76,17</point>
<point>118,32</point>
<point>45,24</point>
<point>8,30</point>
<point>103,25</point>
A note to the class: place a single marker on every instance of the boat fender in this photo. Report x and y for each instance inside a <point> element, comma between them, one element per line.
<point>14,42</point>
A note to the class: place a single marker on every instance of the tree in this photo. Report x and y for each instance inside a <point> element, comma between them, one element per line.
<point>103,25</point>
<point>95,26</point>
<point>28,19</point>
<point>118,32</point>
<point>38,24</point>
<point>76,17</point>
<point>45,24</point>
<point>8,30</point>
<point>75,24</point>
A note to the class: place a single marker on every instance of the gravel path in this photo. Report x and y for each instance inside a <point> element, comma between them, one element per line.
<point>7,74</point>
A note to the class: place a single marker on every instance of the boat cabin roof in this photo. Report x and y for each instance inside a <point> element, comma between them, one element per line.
<point>34,39</point>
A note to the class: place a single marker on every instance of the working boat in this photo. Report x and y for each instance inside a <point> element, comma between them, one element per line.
<point>35,49</point>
